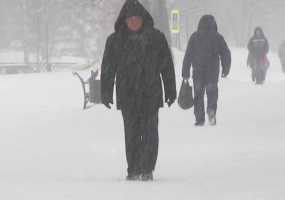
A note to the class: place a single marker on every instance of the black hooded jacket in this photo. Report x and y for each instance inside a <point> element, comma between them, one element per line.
<point>138,62</point>
<point>206,48</point>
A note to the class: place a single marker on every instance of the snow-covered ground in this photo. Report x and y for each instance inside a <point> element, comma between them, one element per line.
<point>50,149</point>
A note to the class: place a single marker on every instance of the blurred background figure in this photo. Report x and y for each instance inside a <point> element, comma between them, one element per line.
<point>257,60</point>
<point>281,53</point>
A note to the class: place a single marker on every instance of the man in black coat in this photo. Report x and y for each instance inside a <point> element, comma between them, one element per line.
<point>258,48</point>
<point>206,48</point>
<point>138,57</point>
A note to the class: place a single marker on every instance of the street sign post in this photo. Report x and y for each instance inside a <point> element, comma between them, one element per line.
<point>175,26</point>
<point>175,21</point>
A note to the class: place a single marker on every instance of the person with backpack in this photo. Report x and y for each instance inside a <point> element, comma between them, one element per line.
<point>206,49</point>
<point>138,57</point>
<point>257,60</point>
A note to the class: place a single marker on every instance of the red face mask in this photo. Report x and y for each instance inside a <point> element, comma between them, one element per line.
<point>134,23</point>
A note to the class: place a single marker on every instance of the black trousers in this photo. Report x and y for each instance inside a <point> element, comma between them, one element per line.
<point>141,140</point>
<point>205,82</point>
<point>259,75</point>
<point>259,71</point>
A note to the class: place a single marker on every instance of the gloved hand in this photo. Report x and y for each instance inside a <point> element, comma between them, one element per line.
<point>107,103</point>
<point>185,79</point>
<point>170,101</point>
<point>224,75</point>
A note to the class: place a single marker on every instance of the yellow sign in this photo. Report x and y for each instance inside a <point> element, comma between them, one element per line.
<point>175,21</point>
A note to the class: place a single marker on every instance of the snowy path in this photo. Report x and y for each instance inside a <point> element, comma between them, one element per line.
<point>51,149</point>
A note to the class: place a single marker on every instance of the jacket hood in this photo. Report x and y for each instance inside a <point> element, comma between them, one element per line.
<point>207,24</point>
<point>133,8</point>
<point>258,29</point>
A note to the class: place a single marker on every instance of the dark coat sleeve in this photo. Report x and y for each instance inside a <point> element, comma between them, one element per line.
<point>249,60</point>
<point>187,61</point>
<point>249,57</point>
<point>266,46</point>
<point>225,55</point>
<point>167,70</point>
<point>108,72</point>
<point>249,46</point>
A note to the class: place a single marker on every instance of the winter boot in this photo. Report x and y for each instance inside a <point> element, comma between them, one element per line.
<point>199,123</point>
<point>212,118</point>
<point>147,176</point>
<point>133,177</point>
